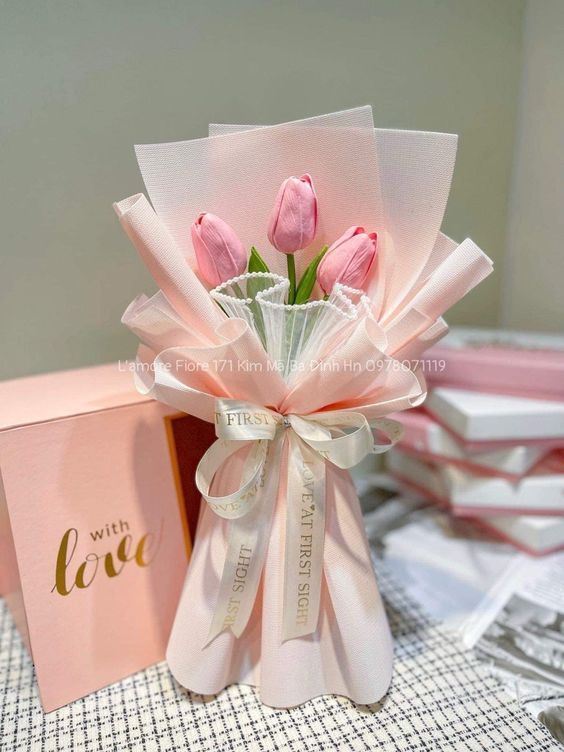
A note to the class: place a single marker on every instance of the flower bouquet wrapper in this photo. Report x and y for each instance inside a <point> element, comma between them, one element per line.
<point>280,592</point>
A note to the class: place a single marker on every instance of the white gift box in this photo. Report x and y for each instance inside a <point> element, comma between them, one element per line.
<point>488,417</point>
<point>534,532</point>
<point>433,442</point>
<point>541,492</point>
<point>534,535</point>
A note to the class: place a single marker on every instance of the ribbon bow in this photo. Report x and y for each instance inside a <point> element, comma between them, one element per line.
<point>341,437</point>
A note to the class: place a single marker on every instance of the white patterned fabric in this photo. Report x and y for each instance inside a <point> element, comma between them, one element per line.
<point>440,699</point>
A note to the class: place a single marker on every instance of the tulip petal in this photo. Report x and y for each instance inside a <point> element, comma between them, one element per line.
<point>219,252</point>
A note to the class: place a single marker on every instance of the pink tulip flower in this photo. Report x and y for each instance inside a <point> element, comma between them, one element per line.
<point>219,252</point>
<point>348,260</point>
<point>293,222</point>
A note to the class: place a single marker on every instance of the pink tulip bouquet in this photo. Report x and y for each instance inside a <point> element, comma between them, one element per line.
<point>298,362</point>
<point>293,224</point>
<point>280,311</point>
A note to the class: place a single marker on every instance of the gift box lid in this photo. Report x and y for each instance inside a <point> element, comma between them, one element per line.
<point>533,533</point>
<point>500,361</point>
<point>52,396</point>
<point>482,417</point>
<point>425,437</point>
<point>539,493</point>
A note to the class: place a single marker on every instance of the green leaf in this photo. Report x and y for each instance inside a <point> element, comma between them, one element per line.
<point>254,286</point>
<point>256,262</point>
<point>308,280</point>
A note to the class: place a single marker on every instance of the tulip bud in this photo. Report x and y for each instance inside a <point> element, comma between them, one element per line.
<point>293,221</point>
<point>348,260</point>
<point>219,252</point>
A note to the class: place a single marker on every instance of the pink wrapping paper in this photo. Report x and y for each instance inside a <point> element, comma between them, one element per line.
<point>337,659</point>
<point>394,182</point>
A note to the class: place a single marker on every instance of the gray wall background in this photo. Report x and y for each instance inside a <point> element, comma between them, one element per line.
<point>533,281</point>
<point>81,82</point>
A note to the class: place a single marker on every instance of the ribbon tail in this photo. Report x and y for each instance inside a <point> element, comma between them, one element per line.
<point>305,535</point>
<point>246,553</point>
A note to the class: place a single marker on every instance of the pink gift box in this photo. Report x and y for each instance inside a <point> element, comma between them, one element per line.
<point>94,535</point>
<point>500,362</point>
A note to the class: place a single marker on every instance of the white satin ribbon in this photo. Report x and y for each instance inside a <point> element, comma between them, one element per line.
<point>341,437</point>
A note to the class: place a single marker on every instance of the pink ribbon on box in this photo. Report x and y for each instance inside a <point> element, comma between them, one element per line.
<point>250,507</point>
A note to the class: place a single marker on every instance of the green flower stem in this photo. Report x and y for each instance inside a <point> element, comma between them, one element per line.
<point>237,290</point>
<point>222,308</point>
<point>292,277</point>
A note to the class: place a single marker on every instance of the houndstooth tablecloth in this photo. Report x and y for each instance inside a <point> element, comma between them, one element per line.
<point>440,699</point>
